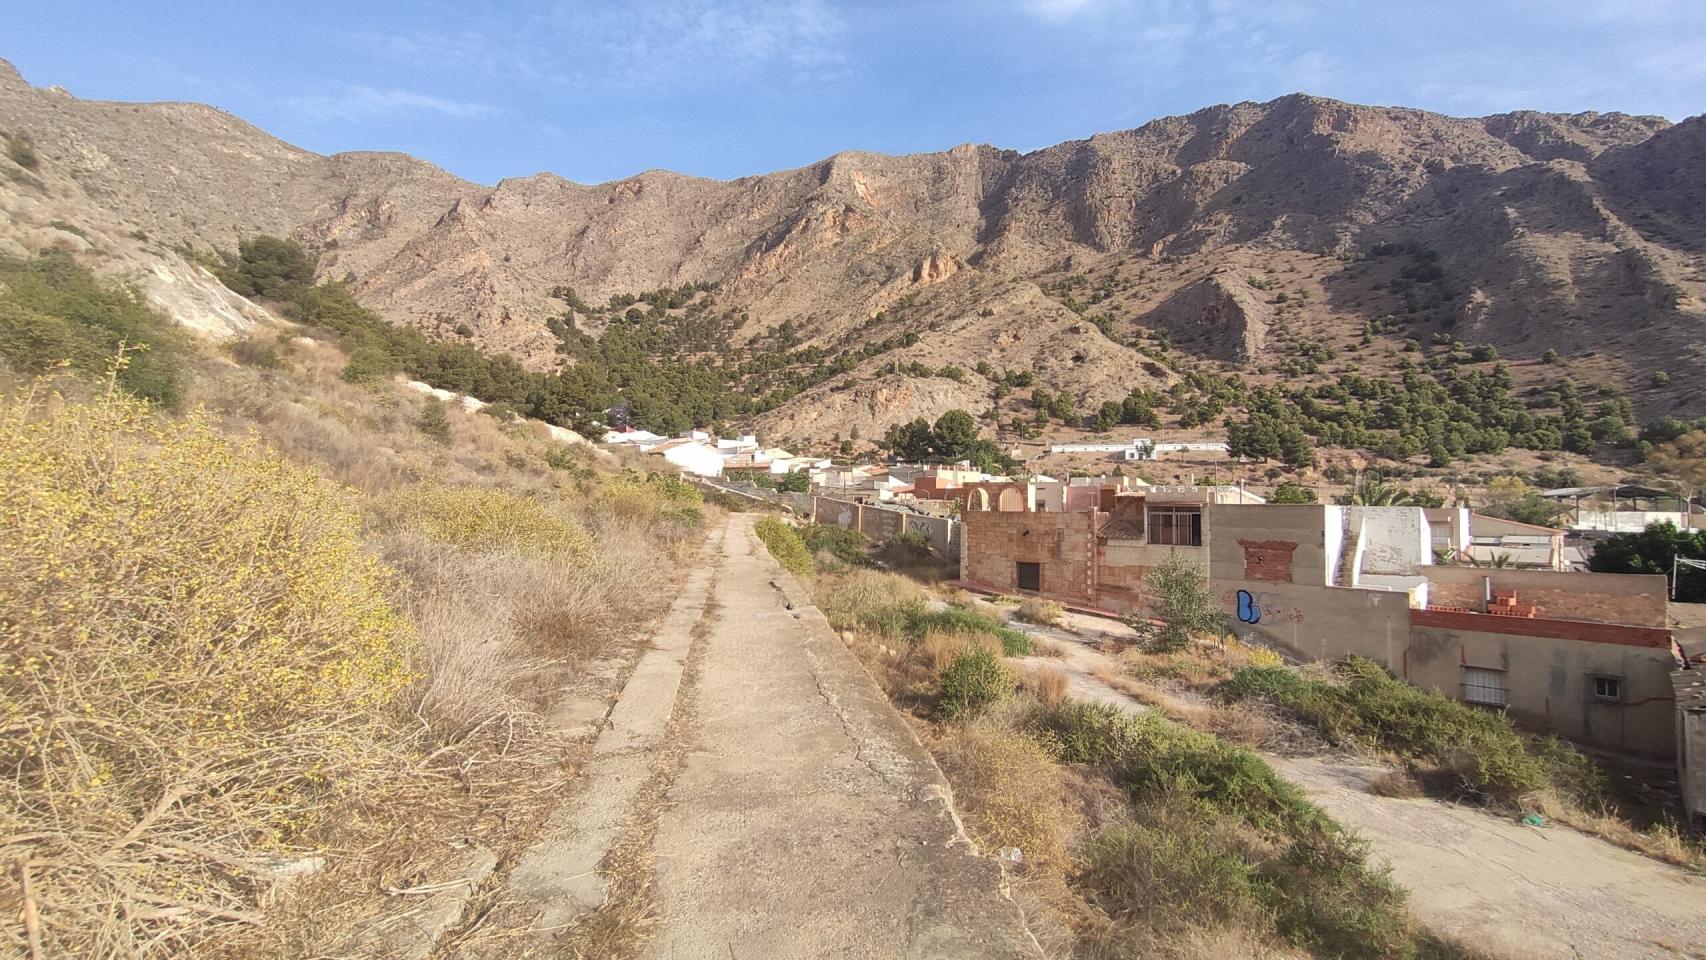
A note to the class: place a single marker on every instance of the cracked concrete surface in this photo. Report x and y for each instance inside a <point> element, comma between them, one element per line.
<point>807,820</point>
<point>561,875</point>
<point>793,813</point>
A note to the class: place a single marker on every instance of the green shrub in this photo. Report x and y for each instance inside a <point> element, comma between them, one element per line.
<point>432,422</point>
<point>886,604</point>
<point>53,311</point>
<point>267,267</point>
<point>1183,603</point>
<point>961,620</point>
<point>1372,709</point>
<point>972,682</point>
<point>1300,867</point>
<point>1175,866</point>
<point>844,544</point>
<point>785,545</point>
<point>369,364</point>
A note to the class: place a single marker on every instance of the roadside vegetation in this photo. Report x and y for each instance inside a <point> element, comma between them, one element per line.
<point>269,636</point>
<point>1127,835</point>
<point>1451,750</point>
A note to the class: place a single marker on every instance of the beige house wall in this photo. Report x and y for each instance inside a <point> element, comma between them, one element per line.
<point>1549,684</point>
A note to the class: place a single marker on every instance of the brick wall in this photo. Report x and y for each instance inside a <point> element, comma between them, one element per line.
<point>1535,627</point>
<point>1605,597</point>
<point>1268,560</point>
<point>1061,544</point>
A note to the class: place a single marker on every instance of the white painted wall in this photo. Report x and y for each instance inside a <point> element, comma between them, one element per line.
<point>696,458</point>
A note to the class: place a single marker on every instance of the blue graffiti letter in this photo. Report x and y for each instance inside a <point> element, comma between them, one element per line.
<point>1248,610</point>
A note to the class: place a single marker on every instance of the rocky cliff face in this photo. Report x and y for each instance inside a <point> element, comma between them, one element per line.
<point>1572,232</point>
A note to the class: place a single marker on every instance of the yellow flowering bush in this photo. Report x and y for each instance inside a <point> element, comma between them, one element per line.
<point>482,520</point>
<point>645,499</point>
<point>199,666</point>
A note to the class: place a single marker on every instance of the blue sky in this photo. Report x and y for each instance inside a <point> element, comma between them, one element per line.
<point>599,90</point>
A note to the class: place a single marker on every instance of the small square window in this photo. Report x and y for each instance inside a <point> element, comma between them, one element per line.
<point>1608,688</point>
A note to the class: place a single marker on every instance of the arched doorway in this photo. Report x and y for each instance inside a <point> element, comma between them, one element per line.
<point>1012,501</point>
<point>977,499</point>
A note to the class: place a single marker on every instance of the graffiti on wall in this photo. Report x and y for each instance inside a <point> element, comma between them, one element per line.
<point>1261,607</point>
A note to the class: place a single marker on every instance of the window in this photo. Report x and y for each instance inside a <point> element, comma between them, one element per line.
<point>1483,686</point>
<point>1030,576</point>
<point>1608,688</point>
<point>1177,526</point>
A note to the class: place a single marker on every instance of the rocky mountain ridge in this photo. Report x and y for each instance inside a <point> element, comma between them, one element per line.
<point>1583,233</point>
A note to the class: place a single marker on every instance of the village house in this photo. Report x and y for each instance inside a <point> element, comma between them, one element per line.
<point>691,456</point>
<point>1586,656</point>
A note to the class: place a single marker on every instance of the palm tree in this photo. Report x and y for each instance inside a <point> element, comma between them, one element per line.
<point>1371,490</point>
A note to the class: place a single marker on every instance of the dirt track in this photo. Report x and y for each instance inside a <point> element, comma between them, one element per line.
<point>1487,880</point>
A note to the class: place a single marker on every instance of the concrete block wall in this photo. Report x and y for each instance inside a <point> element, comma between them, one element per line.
<point>1061,544</point>
<point>884,523</point>
<point>1549,682</point>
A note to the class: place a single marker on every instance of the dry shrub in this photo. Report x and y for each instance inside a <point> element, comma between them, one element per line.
<point>1048,648</point>
<point>1396,783</point>
<point>201,672</point>
<point>1039,611</point>
<point>882,603</point>
<point>485,520</point>
<point>475,674</point>
<point>1010,792</point>
<point>940,647</point>
<point>1049,684</point>
<point>1252,725</point>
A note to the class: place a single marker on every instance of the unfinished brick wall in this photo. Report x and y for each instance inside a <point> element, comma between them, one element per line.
<point>1061,544</point>
<point>1268,560</point>
<point>1602,597</point>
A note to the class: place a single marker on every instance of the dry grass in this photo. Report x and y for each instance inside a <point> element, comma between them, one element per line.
<point>1046,647</point>
<point>940,648</point>
<point>1398,784</point>
<point>1035,610</point>
<point>1662,841</point>
<point>1010,792</point>
<point>1049,684</point>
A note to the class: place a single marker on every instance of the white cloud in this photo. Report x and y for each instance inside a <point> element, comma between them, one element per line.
<point>671,45</point>
<point>356,102</point>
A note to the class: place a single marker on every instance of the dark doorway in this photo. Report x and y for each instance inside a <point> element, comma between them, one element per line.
<point>1030,576</point>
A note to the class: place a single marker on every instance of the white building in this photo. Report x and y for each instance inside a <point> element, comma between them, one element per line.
<point>692,456</point>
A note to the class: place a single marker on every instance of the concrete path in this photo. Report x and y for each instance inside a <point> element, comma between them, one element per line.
<point>806,820</point>
<point>784,809</point>
<point>561,877</point>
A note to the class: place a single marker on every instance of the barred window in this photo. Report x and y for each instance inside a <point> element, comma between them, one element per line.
<point>1483,686</point>
<point>1176,526</point>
